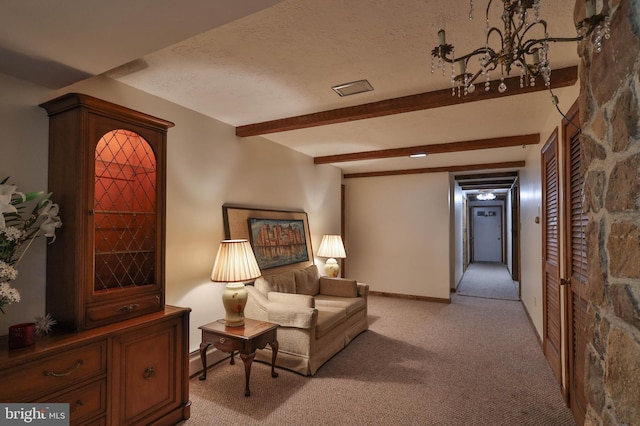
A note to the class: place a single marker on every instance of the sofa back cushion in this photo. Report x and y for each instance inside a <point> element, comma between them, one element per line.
<point>307,280</point>
<point>283,282</point>
<point>338,287</point>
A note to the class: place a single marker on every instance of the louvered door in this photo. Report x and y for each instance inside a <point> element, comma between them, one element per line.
<point>576,265</point>
<point>552,335</point>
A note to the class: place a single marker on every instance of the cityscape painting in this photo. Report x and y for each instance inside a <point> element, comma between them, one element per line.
<point>278,242</point>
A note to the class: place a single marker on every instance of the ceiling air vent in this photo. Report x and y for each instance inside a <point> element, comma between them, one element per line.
<point>353,88</point>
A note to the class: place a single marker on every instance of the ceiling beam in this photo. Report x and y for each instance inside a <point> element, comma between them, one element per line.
<point>453,169</point>
<point>485,176</point>
<point>440,148</point>
<point>561,78</point>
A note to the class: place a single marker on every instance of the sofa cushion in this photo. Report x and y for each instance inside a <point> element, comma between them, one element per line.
<point>292,299</point>
<point>349,304</point>
<point>307,280</point>
<point>338,287</point>
<point>329,318</point>
<point>283,282</point>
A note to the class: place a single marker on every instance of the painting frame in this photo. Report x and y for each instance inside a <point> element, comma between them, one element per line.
<point>237,226</point>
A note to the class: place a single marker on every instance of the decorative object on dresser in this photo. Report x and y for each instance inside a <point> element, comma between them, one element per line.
<point>20,225</point>
<point>120,356</point>
<point>331,246</point>
<point>234,264</point>
<point>107,169</point>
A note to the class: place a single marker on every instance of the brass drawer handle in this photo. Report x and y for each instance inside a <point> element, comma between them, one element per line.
<point>222,340</point>
<point>71,370</point>
<point>128,308</point>
<point>149,372</point>
<point>79,403</point>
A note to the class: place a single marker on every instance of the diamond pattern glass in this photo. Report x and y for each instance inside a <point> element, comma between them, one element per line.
<point>124,211</point>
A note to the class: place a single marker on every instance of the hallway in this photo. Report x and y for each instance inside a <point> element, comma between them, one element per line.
<point>489,280</point>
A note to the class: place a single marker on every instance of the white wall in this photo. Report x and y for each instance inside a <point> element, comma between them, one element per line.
<point>509,227</point>
<point>457,233</point>
<point>397,228</point>
<point>207,166</point>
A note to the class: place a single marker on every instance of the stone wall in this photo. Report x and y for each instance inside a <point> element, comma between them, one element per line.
<point>609,109</point>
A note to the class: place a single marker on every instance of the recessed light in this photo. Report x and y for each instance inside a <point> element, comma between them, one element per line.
<point>418,155</point>
<point>353,88</point>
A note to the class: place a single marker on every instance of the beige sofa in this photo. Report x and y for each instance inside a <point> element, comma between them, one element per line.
<point>318,316</point>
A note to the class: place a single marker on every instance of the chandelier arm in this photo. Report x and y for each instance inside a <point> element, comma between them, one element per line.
<point>479,51</point>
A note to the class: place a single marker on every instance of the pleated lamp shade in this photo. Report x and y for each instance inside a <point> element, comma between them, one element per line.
<point>235,262</point>
<point>331,246</point>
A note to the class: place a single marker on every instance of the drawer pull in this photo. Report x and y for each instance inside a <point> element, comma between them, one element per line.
<point>71,370</point>
<point>128,308</point>
<point>149,372</point>
<point>79,403</point>
<point>222,340</point>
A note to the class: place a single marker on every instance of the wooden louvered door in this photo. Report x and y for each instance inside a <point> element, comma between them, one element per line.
<point>576,264</point>
<point>552,335</point>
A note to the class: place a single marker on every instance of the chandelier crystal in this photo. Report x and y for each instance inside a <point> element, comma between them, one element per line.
<point>521,19</point>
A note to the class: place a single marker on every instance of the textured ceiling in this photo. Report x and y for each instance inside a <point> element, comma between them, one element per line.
<point>240,67</point>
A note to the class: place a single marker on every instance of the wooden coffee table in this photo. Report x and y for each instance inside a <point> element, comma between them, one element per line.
<point>246,340</point>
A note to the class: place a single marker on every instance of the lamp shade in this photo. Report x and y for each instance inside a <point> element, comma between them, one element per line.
<point>331,246</point>
<point>235,262</point>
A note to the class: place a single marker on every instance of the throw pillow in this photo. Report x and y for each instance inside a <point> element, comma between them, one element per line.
<point>307,280</point>
<point>338,287</point>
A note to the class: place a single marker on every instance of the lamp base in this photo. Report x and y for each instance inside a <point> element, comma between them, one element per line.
<point>331,268</point>
<point>234,299</point>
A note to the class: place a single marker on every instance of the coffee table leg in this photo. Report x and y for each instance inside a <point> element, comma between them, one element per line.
<point>274,354</point>
<point>247,359</point>
<point>203,358</point>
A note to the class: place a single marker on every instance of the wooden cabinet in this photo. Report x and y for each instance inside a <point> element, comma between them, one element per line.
<point>132,372</point>
<point>107,172</point>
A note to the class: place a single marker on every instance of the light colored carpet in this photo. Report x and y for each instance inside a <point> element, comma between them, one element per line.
<point>489,280</point>
<point>473,362</point>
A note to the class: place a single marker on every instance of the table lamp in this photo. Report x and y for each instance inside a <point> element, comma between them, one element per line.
<point>235,263</point>
<point>331,246</point>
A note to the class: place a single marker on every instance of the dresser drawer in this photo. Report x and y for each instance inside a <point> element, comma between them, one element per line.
<point>35,379</point>
<point>84,403</point>
<point>122,310</point>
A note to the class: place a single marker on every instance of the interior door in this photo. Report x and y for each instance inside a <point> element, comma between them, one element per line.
<point>576,264</point>
<point>552,335</point>
<point>487,234</point>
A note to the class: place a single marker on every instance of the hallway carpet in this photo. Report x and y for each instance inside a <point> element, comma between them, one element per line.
<point>489,280</point>
<point>472,362</point>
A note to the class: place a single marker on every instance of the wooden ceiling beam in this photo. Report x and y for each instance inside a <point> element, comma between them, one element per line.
<point>484,176</point>
<point>451,169</point>
<point>441,148</point>
<point>561,78</point>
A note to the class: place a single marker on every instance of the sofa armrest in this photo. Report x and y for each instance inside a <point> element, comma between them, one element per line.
<point>260,308</point>
<point>363,289</point>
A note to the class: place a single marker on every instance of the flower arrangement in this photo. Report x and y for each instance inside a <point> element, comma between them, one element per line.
<point>18,229</point>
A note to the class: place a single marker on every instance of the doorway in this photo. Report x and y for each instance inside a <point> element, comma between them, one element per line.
<point>487,234</point>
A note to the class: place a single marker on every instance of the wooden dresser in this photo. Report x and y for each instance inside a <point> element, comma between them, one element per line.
<point>131,372</point>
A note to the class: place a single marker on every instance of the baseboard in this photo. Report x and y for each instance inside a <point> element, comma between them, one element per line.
<point>409,297</point>
<point>214,356</point>
<point>533,326</point>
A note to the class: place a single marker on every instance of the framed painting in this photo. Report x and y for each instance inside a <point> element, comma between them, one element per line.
<point>280,238</point>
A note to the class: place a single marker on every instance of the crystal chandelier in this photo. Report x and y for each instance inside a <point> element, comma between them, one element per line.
<point>514,49</point>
